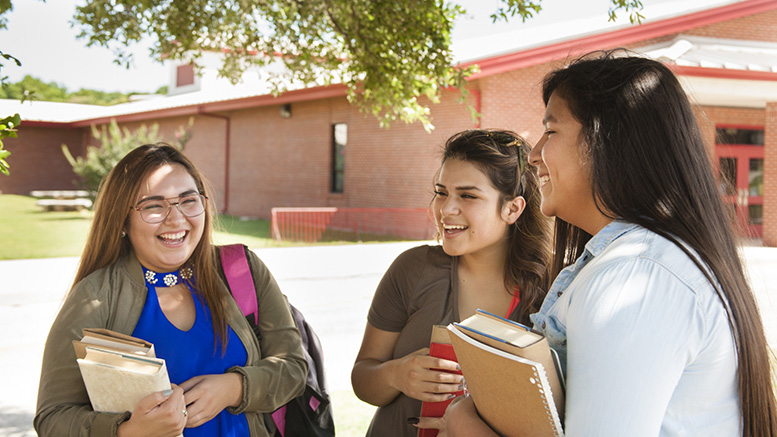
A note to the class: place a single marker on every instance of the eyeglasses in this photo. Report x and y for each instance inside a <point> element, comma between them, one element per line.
<point>156,210</point>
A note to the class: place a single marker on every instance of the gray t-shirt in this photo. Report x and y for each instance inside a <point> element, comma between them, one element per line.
<point>418,291</point>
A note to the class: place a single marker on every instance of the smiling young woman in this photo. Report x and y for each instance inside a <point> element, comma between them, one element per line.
<point>149,269</point>
<point>493,255</point>
<point>650,311</point>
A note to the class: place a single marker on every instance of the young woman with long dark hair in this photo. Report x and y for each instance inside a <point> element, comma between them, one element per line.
<point>494,255</point>
<point>650,310</point>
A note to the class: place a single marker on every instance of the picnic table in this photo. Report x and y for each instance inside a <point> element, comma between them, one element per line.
<point>62,200</point>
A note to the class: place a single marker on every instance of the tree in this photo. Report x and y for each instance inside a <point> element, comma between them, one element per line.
<point>32,88</point>
<point>9,123</point>
<point>7,129</point>
<point>387,53</point>
<point>114,142</point>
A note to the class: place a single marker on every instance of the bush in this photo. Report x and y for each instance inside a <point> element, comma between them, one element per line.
<point>115,143</point>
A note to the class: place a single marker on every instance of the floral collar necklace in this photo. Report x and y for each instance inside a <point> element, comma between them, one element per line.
<point>168,279</point>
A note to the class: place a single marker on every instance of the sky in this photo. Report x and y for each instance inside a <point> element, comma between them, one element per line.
<point>40,35</point>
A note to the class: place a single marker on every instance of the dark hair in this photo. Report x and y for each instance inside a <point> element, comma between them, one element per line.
<point>649,166</point>
<point>502,156</point>
<point>118,193</point>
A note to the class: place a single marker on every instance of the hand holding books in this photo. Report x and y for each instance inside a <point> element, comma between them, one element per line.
<point>118,370</point>
<point>121,373</point>
<point>511,375</point>
<point>440,347</point>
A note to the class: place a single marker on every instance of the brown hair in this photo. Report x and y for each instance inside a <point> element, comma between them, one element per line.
<point>649,166</point>
<point>502,156</point>
<point>117,194</point>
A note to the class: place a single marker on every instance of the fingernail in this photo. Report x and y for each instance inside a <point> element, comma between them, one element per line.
<point>167,392</point>
<point>413,420</point>
<point>458,367</point>
<point>462,381</point>
<point>461,387</point>
<point>452,395</point>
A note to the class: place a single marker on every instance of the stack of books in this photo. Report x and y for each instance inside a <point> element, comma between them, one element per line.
<point>118,369</point>
<point>512,375</point>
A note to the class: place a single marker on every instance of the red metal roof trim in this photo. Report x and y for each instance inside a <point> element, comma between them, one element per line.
<point>723,73</point>
<point>47,124</point>
<point>303,95</point>
<point>541,55</point>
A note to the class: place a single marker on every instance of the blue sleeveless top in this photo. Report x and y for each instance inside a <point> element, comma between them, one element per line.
<point>191,353</point>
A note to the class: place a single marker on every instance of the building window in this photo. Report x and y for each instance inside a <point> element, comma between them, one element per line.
<point>728,175</point>
<point>756,177</point>
<point>733,135</point>
<point>339,140</point>
<point>184,75</point>
<point>755,214</point>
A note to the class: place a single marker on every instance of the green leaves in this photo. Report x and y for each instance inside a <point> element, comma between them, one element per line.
<point>633,6</point>
<point>7,130</point>
<point>394,56</point>
<point>524,8</point>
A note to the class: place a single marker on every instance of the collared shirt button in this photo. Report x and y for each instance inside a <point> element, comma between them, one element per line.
<point>543,325</point>
<point>560,293</point>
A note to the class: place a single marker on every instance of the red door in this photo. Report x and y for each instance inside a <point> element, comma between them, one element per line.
<point>741,169</point>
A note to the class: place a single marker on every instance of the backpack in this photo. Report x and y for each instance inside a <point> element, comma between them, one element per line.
<point>309,414</point>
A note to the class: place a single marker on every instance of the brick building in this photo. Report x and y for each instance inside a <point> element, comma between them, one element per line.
<point>309,147</point>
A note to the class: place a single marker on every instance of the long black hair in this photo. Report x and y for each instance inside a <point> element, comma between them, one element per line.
<point>649,166</point>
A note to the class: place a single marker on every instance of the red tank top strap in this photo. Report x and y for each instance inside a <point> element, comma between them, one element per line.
<point>514,302</point>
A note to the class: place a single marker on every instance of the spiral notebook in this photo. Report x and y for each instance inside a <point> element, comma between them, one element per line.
<point>514,394</point>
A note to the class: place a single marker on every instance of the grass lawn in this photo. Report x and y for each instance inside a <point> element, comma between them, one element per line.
<point>26,231</point>
<point>352,416</point>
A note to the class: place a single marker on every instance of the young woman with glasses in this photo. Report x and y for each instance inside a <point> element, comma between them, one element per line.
<point>150,269</point>
<point>494,256</point>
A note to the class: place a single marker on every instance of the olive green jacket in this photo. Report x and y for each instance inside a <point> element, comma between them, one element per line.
<point>113,298</point>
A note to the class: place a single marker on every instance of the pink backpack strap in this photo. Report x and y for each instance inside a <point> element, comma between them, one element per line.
<point>238,274</point>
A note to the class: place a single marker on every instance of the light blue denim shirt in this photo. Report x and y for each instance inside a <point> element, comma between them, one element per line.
<point>643,339</point>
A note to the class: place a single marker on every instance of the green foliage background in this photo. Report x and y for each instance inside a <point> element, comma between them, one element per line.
<point>32,88</point>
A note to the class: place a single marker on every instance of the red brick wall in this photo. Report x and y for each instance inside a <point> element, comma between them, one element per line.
<point>759,27</point>
<point>277,161</point>
<point>395,167</point>
<point>770,177</point>
<point>514,101</point>
<point>37,162</point>
<point>285,162</point>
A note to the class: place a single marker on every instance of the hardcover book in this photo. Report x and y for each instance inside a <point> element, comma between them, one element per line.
<point>116,380</point>
<point>439,347</point>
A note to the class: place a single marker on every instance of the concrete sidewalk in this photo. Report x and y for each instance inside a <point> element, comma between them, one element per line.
<point>332,285</point>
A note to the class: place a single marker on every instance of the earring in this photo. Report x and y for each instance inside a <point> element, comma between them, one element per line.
<point>123,234</point>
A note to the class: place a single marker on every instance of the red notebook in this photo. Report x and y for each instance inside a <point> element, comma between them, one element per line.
<point>439,347</point>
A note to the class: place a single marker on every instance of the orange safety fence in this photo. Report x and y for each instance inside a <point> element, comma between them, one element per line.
<point>350,224</point>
